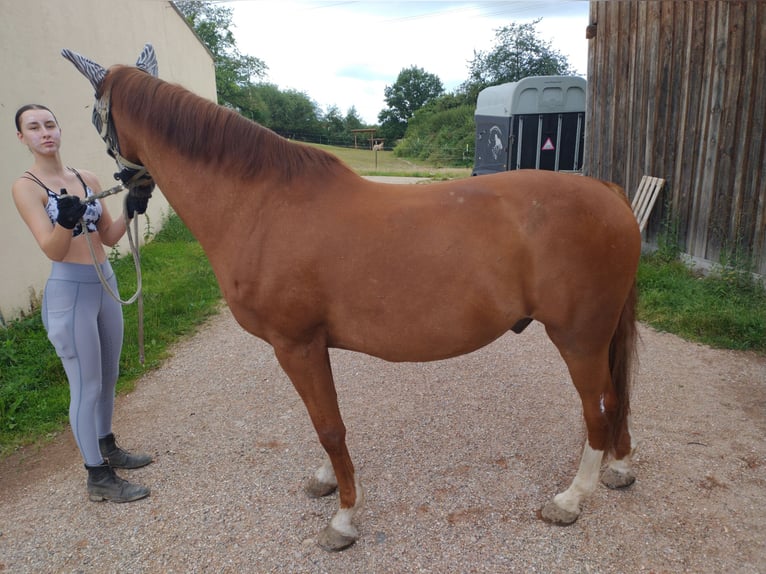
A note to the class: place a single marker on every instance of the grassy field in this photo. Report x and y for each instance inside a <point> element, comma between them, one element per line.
<point>180,291</point>
<point>368,162</point>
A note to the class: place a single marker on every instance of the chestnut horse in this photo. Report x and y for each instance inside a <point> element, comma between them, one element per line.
<point>311,256</point>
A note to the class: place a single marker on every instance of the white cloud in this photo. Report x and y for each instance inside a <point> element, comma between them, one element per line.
<point>346,53</point>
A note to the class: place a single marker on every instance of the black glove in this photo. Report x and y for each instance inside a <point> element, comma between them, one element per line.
<point>71,210</point>
<point>135,205</point>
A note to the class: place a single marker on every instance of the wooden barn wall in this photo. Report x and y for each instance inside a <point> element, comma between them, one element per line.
<point>677,89</point>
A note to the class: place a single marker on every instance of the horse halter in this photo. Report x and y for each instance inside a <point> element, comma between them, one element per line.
<point>132,175</point>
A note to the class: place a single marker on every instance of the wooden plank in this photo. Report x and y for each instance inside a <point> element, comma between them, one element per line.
<point>696,241</point>
<point>686,137</point>
<point>609,110</point>
<point>750,127</point>
<point>646,196</point>
<point>631,111</point>
<point>599,139</point>
<point>714,222</point>
<point>638,197</point>
<point>591,153</point>
<point>753,169</point>
<point>657,149</point>
<point>728,206</point>
<point>621,99</point>
<point>675,85</point>
<point>646,90</point>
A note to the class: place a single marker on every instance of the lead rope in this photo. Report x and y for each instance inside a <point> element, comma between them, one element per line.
<point>138,295</point>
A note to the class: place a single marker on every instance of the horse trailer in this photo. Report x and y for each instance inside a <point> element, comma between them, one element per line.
<point>537,122</point>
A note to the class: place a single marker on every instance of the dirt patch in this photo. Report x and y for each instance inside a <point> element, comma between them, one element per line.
<point>456,456</point>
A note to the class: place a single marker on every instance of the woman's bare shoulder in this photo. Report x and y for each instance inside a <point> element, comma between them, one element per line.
<point>25,187</point>
<point>90,178</point>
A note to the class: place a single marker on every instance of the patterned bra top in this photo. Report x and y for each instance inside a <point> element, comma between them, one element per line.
<point>92,213</point>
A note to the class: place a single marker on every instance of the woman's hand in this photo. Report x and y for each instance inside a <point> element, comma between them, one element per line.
<point>71,210</point>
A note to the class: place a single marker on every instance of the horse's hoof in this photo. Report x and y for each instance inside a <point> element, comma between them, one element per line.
<point>614,479</point>
<point>554,514</point>
<point>317,489</point>
<point>334,541</point>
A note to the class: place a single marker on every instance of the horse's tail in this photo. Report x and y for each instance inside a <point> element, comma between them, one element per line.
<point>622,356</point>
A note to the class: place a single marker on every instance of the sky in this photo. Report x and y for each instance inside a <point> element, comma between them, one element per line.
<point>345,53</point>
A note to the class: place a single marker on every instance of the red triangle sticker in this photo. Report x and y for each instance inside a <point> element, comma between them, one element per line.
<point>548,145</point>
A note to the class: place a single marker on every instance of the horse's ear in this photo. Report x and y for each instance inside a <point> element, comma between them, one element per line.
<point>88,68</point>
<point>147,61</point>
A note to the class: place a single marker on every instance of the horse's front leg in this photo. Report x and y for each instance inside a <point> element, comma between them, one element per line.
<point>308,367</point>
<point>323,482</point>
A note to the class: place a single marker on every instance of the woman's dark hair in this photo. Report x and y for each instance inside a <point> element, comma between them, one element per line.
<point>23,109</point>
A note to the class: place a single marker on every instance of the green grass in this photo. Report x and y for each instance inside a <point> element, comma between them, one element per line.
<point>34,395</point>
<point>724,310</point>
<point>180,292</point>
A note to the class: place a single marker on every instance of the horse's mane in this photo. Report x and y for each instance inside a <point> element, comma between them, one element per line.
<point>207,132</point>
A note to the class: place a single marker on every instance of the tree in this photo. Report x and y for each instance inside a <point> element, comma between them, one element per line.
<point>334,128</point>
<point>289,113</point>
<point>519,53</point>
<point>234,72</point>
<point>414,88</point>
<point>441,132</point>
<point>353,121</point>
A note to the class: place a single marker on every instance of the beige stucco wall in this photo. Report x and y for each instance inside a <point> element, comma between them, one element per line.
<point>32,35</point>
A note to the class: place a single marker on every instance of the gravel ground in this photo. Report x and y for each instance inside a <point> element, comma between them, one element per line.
<point>456,456</point>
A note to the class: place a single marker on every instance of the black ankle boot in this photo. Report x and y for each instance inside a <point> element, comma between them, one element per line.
<point>115,457</point>
<point>104,484</point>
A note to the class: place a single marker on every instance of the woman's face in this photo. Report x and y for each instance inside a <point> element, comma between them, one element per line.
<point>40,132</point>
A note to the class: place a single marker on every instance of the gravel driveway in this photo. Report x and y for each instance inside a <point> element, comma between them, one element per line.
<point>456,456</point>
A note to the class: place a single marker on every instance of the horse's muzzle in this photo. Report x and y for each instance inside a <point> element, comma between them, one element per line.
<point>141,190</point>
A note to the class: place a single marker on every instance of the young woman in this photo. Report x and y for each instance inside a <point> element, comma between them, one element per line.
<point>83,321</point>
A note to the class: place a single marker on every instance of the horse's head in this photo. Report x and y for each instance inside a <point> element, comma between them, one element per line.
<point>132,174</point>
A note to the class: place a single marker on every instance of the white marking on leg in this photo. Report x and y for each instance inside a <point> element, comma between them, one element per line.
<point>620,466</point>
<point>633,442</point>
<point>584,482</point>
<point>624,465</point>
<point>601,405</point>
<point>342,521</point>
<point>325,474</point>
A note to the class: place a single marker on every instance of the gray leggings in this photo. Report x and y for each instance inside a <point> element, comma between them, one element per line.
<point>85,326</point>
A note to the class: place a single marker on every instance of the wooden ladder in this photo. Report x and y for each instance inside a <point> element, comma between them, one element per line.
<point>646,195</point>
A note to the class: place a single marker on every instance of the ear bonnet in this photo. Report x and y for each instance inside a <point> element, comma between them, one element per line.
<point>131,174</point>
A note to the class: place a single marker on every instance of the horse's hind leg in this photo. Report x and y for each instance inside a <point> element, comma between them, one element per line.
<point>308,367</point>
<point>591,377</point>
<point>564,508</point>
<point>619,472</point>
